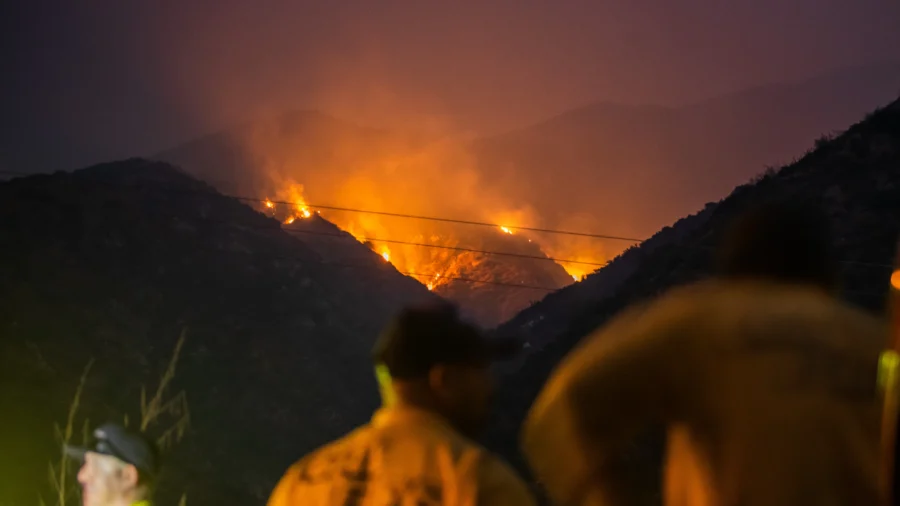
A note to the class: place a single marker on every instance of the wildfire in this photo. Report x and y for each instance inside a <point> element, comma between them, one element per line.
<point>431,283</point>
<point>450,259</point>
<point>292,192</point>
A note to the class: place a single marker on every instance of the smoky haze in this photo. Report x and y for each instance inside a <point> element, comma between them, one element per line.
<point>85,82</point>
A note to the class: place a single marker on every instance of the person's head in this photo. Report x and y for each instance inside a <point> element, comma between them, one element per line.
<point>784,242</point>
<point>429,358</point>
<point>119,467</point>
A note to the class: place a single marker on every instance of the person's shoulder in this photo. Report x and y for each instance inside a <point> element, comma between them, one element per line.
<point>654,320</point>
<point>316,465</point>
<point>328,452</point>
<point>500,483</point>
<point>677,304</point>
<point>818,308</point>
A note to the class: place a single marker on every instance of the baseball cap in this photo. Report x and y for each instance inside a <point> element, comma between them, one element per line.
<point>421,337</point>
<point>117,441</point>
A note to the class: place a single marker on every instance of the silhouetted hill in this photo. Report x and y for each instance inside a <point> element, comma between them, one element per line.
<point>636,168</point>
<point>856,176</point>
<point>112,261</point>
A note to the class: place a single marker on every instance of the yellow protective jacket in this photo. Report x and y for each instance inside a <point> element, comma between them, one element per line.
<point>768,393</point>
<point>402,457</point>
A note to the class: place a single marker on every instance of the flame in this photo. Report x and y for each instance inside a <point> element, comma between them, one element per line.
<point>431,284</point>
<point>436,266</point>
<point>291,192</point>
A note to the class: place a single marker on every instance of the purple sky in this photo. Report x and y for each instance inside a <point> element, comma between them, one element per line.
<point>89,81</point>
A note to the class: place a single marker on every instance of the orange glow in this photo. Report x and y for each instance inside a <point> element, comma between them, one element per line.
<point>895,280</point>
<point>400,176</point>
<point>291,192</point>
<point>442,263</point>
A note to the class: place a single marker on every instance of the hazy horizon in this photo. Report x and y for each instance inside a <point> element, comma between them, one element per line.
<point>85,83</point>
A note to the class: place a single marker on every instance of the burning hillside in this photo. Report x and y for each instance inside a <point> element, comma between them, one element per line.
<point>491,272</point>
<point>303,160</point>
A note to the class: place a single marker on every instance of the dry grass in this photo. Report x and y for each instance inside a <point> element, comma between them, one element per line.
<point>158,408</point>
<point>59,474</point>
<point>155,412</point>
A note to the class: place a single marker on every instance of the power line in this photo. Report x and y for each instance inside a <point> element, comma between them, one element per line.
<point>432,276</point>
<point>445,220</point>
<point>394,241</point>
<point>437,246</point>
<point>395,215</point>
<point>345,235</point>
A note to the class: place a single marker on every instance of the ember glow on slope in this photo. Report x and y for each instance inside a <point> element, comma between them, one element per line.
<point>445,264</point>
<point>354,167</point>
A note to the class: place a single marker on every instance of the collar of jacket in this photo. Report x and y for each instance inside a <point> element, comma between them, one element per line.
<point>407,414</point>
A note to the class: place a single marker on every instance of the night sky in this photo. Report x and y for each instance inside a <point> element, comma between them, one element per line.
<point>84,82</point>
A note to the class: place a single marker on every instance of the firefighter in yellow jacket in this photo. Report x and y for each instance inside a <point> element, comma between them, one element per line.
<point>435,382</point>
<point>765,382</point>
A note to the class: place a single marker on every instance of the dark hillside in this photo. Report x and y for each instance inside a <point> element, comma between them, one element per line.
<point>113,261</point>
<point>855,175</point>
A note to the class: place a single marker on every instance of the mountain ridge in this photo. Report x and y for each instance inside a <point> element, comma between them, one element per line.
<point>111,263</point>
<point>855,176</point>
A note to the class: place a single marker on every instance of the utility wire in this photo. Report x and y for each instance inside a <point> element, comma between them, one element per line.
<point>431,276</point>
<point>348,236</point>
<point>392,214</point>
<point>437,246</point>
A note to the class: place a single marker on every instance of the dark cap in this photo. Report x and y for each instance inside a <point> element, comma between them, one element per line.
<point>128,446</point>
<point>421,337</point>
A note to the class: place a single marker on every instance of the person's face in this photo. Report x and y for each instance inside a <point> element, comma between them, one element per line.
<point>466,392</point>
<point>104,479</point>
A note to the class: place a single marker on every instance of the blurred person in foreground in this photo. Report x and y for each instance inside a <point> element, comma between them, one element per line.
<point>433,372</point>
<point>119,467</point>
<point>764,381</point>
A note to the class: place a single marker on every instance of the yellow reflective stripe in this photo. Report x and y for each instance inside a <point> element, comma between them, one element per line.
<point>888,364</point>
<point>383,376</point>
